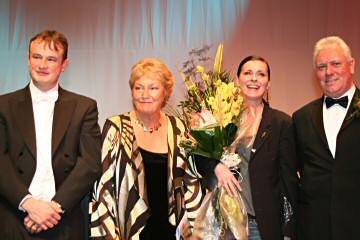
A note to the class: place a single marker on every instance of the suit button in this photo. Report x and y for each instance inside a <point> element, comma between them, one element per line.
<point>66,155</point>
<point>20,171</point>
<point>20,154</point>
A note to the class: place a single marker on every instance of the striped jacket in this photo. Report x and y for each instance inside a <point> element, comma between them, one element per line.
<point>119,208</point>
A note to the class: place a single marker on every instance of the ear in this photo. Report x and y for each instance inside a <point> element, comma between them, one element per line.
<point>237,81</point>
<point>352,66</point>
<point>268,86</point>
<point>64,64</point>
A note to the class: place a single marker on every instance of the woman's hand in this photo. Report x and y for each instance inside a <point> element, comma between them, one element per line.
<point>226,178</point>
<point>195,119</point>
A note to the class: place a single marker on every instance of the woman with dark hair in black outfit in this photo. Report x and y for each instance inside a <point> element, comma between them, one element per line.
<point>264,142</point>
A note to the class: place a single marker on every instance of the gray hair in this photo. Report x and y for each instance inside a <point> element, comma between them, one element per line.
<point>327,42</point>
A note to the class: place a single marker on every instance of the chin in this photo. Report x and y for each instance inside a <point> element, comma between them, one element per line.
<point>146,111</point>
<point>254,96</point>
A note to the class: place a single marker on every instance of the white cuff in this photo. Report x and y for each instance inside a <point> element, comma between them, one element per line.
<point>22,201</point>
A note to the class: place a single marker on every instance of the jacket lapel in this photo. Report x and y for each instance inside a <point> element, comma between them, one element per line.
<point>317,120</point>
<point>23,115</point>
<point>63,111</point>
<point>263,132</point>
<point>349,118</point>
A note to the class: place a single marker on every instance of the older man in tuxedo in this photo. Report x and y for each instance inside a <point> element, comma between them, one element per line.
<point>49,149</point>
<point>328,145</point>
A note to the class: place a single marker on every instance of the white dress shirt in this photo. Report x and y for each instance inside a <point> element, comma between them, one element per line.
<point>333,118</point>
<point>43,183</point>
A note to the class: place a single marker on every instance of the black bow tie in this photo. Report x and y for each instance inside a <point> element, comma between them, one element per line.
<point>343,101</point>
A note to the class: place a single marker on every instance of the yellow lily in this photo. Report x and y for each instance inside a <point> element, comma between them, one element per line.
<point>218,59</point>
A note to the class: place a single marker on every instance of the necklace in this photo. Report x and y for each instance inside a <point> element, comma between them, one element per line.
<point>147,129</point>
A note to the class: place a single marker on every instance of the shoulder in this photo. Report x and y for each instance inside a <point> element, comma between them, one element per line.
<point>306,109</point>
<point>66,94</point>
<point>118,120</point>
<point>176,123</point>
<point>277,115</point>
<point>10,100</point>
<point>16,95</point>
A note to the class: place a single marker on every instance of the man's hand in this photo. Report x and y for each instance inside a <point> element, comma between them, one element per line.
<point>226,178</point>
<point>45,214</point>
<point>31,226</point>
<point>192,237</point>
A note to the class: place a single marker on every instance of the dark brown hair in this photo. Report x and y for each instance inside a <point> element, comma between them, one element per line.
<point>253,58</point>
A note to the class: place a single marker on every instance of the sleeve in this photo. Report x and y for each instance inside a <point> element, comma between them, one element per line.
<point>204,170</point>
<point>87,169</point>
<point>289,178</point>
<point>11,187</point>
<point>185,173</point>
<point>204,165</point>
<point>103,206</point>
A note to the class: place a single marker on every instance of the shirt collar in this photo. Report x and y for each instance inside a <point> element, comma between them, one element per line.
<point>38,95</point>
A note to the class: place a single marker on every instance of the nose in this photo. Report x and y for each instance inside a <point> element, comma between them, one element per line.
<point>329,69</point>
<point>43,64</point>
<point>253,77</point>
<point>145,93</point>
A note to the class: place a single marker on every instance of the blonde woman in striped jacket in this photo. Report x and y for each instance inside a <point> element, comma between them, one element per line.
<point>146,190</point>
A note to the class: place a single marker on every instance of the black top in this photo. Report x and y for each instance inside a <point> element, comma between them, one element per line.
<point>272,170</point>
<point>156,177</point>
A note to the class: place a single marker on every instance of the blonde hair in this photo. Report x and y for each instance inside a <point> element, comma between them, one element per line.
<point>156,69</point>
<point>330,41</point>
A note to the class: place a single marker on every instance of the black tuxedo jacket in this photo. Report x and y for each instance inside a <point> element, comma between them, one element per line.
<point>329,194</point>
<point>75,160</point>
<point>272,170</point>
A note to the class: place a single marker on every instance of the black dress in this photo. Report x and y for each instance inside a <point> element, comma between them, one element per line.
<point>156,177</point>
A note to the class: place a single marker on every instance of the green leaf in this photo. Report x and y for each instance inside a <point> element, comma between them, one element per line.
<point>205,138</point>
<point>230,132</point>
<point>212,139</point>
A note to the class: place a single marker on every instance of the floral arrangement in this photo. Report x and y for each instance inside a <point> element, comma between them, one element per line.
<point>212,107</point>
<point>211,111</point>
<point>356,112</point>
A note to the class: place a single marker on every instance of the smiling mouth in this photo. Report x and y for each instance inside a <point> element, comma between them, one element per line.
<point>252,87</point>
<point>42,73</point>
<point>330,81</point>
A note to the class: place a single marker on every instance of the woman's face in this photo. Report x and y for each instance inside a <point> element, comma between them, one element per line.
<point>254,80</point>
<point>148,95</point>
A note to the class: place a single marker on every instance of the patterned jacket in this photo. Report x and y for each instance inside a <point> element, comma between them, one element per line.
<point>119,208</point>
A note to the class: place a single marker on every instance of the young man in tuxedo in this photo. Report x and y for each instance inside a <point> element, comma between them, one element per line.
<point>49,149</point>
<point>328,138</point>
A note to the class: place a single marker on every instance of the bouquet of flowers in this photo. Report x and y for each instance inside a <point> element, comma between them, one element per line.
<point>211,111</point>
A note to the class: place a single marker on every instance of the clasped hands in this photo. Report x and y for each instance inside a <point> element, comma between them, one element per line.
<point>42,215</point>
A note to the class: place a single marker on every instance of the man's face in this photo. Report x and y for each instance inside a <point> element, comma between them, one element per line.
<point>334,71</point>
<point>45,64</point>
